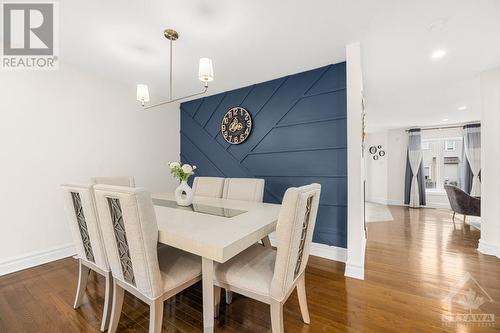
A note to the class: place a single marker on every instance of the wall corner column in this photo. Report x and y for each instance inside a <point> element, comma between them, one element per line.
<point>489,242</point>
<point>356,239</point>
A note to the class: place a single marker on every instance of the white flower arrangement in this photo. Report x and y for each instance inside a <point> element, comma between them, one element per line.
<point>181,171</point>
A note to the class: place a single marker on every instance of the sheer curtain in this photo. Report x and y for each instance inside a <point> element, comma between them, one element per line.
<point>472,149</point>
<point>414,180</point>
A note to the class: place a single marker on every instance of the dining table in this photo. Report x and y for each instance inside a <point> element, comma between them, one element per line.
<point>216,230</point>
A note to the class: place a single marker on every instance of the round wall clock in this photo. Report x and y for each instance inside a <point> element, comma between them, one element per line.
<point>236,125</point>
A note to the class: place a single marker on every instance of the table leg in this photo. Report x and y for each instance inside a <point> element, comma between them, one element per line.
<point>207,266</point>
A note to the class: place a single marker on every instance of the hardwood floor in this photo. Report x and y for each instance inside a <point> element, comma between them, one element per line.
<point>412,263</point>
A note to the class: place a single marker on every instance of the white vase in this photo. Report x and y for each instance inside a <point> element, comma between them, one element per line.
<point>184,194</point>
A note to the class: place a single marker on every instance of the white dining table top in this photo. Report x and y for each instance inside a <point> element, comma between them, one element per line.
<point>218,238</point>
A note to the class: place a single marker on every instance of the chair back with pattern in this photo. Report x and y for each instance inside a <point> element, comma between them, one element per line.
<point>208,187</point>
<point>130,233</point>
<point>245,189</point>
<point>116,181</point>
<point>294,233</point>
<point>80,208</point>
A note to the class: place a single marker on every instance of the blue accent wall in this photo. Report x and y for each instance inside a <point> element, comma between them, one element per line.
<point>299,137</point>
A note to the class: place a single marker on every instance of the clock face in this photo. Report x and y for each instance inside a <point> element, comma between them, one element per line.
<point>236,125</point>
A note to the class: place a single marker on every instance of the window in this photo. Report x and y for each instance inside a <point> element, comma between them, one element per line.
<point>441,162</point>
<point>450,145</point>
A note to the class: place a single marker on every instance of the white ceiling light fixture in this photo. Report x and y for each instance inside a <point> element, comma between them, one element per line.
<point>445,119</point>
<point>205,75</point>
<point>438,54</point>
<point>462,108</point>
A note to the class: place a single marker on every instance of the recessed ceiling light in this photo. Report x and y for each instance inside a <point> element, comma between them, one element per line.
<point>462,108</point>
<point>445,119</point>
<point>438,54</point>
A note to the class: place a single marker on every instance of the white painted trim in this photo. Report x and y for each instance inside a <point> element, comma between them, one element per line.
<point>401,203</point>
<point>488,249</point>
<point>33,259</point>
<point>441,192</point>
<point>354,271</point>
<point>356,174</point>
<point>392,202</point>
<point>321,250</point>
<point>380,201</point>
<point>329,252</point>
<point>437,205</point>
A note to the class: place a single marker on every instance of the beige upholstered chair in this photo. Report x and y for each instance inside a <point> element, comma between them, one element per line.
<point>116,181</point>
<point>245,189</point>
<point>84,224</point>
<point>208,187</point>
<point>130,233</point>
<point>270,275</point>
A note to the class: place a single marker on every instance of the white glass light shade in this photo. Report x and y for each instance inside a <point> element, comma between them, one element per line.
<point>142,93</point>
<point>206,70</point>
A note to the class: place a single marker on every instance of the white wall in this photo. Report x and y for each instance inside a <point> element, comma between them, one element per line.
<point>376,170</point>
<point>490,163</point>
<point>66,126</point>
<point>386,175</point>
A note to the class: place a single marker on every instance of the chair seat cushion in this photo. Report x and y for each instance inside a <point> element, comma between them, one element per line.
<point>250,270</point>
<point>177,266</point>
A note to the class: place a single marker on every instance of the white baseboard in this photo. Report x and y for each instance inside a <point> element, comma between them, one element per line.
<point>401,203</point>
<point>32,259</point>
<point>321,250</point>
<point>391,202</point>
<point>437,205</point>
<point>329,252</point>
<point>380,201</point>
<point>354,271</point>
<point>488,248</point>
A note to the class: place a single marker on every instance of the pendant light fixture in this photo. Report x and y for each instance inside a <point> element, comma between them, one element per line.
<point>205,75</point>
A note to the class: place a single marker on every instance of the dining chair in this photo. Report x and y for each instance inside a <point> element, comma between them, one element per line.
<point>269,275</point>
<point>208,187</point>
<point>245,189</point>
<point>117,181</point>
<point>84,224</point>
<point>130,233</point>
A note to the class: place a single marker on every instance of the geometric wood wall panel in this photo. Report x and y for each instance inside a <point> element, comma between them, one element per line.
<point>299,137</point>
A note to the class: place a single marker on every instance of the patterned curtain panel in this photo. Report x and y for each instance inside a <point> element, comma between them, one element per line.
<point>472,162</point>
<point>414,179</point>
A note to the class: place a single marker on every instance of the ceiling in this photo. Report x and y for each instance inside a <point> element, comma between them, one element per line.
<point>254,41</point>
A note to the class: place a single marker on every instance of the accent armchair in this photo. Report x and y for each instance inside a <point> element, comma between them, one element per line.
<point>462,203</point>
